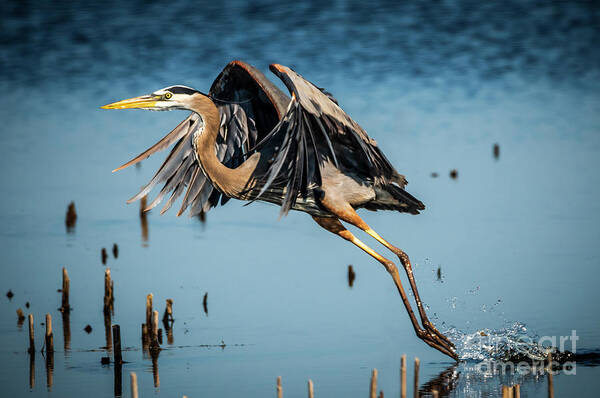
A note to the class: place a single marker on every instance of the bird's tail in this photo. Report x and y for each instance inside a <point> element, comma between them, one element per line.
<point>408,203</point>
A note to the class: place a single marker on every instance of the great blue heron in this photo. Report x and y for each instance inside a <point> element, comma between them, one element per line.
<point>247,140</point>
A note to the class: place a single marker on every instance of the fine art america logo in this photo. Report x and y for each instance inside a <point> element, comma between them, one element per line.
<point>527,355</point>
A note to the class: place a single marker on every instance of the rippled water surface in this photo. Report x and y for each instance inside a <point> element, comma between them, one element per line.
<point>436,83</point>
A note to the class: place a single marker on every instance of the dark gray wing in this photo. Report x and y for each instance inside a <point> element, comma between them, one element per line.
<point>250,106</point>
<point>315,130</point>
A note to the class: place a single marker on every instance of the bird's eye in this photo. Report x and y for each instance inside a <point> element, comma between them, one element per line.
<point>168,95</point>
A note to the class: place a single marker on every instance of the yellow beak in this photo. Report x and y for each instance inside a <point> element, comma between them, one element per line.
<point>143,102</point>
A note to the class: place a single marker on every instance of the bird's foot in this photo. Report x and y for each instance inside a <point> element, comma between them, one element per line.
<point>433,330</point>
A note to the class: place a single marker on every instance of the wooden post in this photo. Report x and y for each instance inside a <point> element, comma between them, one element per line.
<point>116,334</point>
<point>417,365</point>
<point>71,217</point>
<point>154,333</point>
<point>20,317</point>
<point>505,392</point>
<point>66,283</point>
<point>149,311</point>
<point>434,393</point>
<point>134,386</point>
<point>168,315</point>
<point>108,331</point>
<point>31,349</point>
<point>311,389</point>
<point>403,376</point>
<point>205,303</point>
<point>144,334</point>
<point>279,388</point>
<point>373,393</point>
<point>49,352</point>
<point>381,394</point>
<point>49,336</point>
<point>517,391</point>
<point>550,381</point>
<point>108,301</point>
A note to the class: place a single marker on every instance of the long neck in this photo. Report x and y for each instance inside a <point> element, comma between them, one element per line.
<point>232,182</point>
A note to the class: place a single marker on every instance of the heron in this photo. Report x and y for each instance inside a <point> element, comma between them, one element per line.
<point>246,139</point>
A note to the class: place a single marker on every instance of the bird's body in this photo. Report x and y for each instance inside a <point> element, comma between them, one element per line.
<point>248,140</point>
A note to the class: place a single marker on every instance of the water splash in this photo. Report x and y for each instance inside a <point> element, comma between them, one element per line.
<point>506,344</point>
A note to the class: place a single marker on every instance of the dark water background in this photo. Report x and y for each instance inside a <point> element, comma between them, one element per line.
<point>436,83</point>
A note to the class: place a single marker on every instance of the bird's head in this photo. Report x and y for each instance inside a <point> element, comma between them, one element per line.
<point>165,99</point>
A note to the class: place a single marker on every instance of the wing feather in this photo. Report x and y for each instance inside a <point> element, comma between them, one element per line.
<point>314,131</point>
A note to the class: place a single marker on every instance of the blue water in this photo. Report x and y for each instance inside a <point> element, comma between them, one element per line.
<point>437,84</point>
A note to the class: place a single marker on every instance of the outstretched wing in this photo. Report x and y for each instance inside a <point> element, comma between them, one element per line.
<point>249,105</point>
<point>314,131</point>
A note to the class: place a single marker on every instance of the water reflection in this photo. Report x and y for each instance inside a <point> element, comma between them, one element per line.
<point>155,354</point>
<point>49,369</point>
<point>118,379</point>
<point>443,383</point>
<point>66,324</point>
<point>31,371</point>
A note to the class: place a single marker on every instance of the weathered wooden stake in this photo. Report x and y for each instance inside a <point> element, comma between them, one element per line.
<point>31,349</point>
<point>417,365</point>
<point>134,386</point>
<point>154,334</point>
<point>149,311</point>
<point>435,394</point>
<point>311,389</point>
<point>373,393</point>
<point>20,317</point>
<point>145,336</point>
<point>505,392</point>
<point>66,284</point>
<point>403,376</point>
<point>517,391</point>
<point>279,388</point>
<point>168,315</point>
<point>108,331</point>
<point>116,334</point>
<point>49,336</point>
<point>108,293</point>
<point>71,217</point>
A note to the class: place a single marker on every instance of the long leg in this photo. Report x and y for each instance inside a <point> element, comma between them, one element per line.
<point>335,226</point>
<point>345,212</point>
